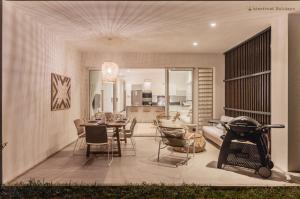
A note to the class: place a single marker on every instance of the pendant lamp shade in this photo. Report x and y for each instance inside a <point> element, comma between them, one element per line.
<point>110,71</point>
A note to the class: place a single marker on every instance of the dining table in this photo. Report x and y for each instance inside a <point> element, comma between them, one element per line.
<point>117,125</point>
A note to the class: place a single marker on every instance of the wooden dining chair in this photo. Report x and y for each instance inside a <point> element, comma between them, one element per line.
<point>97,136</point>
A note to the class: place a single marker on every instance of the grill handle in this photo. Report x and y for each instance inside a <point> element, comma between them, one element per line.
<point>273,126</point>
<point>269,126</point>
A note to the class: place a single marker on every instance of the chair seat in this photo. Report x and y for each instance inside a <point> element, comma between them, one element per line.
<point>109,141</point>
<point>125,130</point>
<point>174,142</point>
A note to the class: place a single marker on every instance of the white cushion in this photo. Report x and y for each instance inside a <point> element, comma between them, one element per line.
<point>213,133</point>
<point>219,126</point>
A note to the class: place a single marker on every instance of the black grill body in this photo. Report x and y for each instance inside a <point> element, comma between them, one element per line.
<point>246,145</point>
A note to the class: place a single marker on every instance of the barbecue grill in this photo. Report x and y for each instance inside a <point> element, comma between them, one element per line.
<point>246,145</point>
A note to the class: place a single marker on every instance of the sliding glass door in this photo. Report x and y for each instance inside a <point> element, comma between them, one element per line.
<point>105,97</point>
<point>95,92</point>
<point>180,93</point>
<point>171,89</point>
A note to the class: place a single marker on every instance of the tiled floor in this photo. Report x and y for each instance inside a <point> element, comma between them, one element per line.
<point>65,168</point>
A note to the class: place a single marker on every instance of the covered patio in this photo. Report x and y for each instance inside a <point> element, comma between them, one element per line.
<point>64,167</point>
<point>78,74</point>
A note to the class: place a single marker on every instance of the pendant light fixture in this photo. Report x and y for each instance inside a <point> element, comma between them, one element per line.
<point>110,70</point>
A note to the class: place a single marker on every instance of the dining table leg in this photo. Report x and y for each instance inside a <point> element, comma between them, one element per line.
<point>125,138</point>
<point>118,141</point>
<point>88,149</point>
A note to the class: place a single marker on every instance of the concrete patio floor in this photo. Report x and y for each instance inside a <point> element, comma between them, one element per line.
<point>63,167</point>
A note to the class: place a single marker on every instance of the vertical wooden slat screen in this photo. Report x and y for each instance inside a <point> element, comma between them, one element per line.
<point>205,95</point>
<point>248,78</point>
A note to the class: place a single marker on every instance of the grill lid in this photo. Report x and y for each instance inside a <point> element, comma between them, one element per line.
<point>244,121</point>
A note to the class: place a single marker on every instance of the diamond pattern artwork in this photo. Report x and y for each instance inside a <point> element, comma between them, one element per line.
<point>60,92</point>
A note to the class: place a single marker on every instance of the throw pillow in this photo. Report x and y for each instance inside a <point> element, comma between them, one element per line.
<point>174,134</point>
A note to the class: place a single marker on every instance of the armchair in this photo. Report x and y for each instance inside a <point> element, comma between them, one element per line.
<point>176,138</point>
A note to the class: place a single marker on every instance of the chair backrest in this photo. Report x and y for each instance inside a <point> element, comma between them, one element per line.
<point>118,116</point>
<point>100,116</point>
<point>80,129</point>
<point>109,117</point>
<point>96,134</point>
<point>133,123</point>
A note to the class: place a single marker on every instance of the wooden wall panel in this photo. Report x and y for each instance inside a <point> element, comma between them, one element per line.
<point>248,78</point>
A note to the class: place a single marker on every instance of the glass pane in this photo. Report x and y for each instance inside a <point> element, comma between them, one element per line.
<point>144,87</point>
<point>108,96</point>
<point>180,94</point>
<point>101,94</point>
<point>96,94</point>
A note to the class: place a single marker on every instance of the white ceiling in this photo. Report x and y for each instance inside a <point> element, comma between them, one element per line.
<point>153,26</point>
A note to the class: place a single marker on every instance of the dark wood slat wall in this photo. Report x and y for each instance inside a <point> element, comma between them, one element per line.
<point>248,78</point>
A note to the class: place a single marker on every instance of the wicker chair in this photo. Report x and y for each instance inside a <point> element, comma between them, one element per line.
<point>80,133</point>
<point>109,117</point>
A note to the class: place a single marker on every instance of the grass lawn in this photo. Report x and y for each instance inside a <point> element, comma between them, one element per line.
<point>48,190</point>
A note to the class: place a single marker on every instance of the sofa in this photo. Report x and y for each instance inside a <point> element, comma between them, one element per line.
<point>214,132</point>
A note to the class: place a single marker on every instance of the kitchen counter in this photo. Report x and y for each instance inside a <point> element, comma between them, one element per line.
<point>144,113</point>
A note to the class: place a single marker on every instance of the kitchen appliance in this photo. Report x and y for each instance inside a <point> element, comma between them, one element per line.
<point>246,145</point>
<point>136,97</point>
<point>147,98</point>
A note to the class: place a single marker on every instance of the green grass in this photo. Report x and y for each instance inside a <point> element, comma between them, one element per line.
<point>49,190</point>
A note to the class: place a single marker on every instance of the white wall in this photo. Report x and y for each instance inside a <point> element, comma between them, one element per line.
<point>159,60</point>
<point>279,90</point>
<point>31,53</point>
<point>294,93</point>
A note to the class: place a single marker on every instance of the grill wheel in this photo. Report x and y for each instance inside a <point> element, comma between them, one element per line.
<point>264,172</point>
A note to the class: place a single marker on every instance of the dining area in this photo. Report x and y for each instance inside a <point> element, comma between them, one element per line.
<point>111,134</point>
<point>105,134</point>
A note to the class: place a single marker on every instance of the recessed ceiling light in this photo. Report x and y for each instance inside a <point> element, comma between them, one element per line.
<point>195,43</point>
<point>213,24</point>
